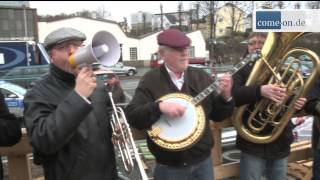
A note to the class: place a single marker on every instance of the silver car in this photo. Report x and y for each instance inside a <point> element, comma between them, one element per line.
<point>118,69</point>
<point>13,95</point>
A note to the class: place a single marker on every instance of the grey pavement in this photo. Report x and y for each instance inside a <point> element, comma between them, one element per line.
<point>142,70</point>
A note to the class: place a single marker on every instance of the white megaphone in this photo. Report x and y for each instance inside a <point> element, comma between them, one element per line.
<point>103,49</point>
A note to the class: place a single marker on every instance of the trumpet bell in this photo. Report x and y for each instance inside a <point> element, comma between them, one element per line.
<point>125,144</point>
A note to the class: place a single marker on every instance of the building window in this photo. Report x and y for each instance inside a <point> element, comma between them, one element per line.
<point>220,19</point>
<point>133,53</point>
<point>17,24</point>
<point>220,30</point>
<point>191,51</point>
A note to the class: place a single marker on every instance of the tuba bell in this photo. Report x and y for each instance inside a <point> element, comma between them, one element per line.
<point>263,121</point>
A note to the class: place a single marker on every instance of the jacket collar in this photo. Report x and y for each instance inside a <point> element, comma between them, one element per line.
<point>187,78</point>
<point>61,74</point>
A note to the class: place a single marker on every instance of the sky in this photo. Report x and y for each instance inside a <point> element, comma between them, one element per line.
<point>117,9</point>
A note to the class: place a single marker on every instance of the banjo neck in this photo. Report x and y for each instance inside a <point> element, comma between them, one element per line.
<point>213,88</point>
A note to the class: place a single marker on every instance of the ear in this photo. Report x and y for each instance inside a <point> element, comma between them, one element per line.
<point>161,53</point>
<point>50,56</point>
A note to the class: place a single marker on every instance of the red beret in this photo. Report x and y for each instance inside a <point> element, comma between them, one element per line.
<point>174,39</point>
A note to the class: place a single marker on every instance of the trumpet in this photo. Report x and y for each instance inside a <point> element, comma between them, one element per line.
<point>124,140</point>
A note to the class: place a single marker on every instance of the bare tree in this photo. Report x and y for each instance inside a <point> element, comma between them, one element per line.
<point>190,19</point>
<point>313,4</point>
<point>267,4</point>
<point>102,12</point>
<point>125,24</point>
<point>236,15</point>
<point>297,5</point>
<point>144,19</point>
<point>161,16</point>
<point>180,9</point>
<point>84,13</point>
<point>280,4</point>
<point>197,15</point>
<point>209,10</point>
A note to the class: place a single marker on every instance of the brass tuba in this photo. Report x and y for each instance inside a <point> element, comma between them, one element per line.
<point>263,121</point>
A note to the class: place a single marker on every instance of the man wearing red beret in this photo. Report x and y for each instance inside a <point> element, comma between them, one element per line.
<point>175,76</point>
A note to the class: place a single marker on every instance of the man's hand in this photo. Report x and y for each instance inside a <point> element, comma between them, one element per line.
<point>114,81</point>
<point>171,109</point>
<point>299,103</point>
<point>273,92</point>
<point>85,82</point>
<point>225,85</point>
<point>299,120</point>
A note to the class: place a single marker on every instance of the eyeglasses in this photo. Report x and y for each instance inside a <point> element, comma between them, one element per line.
<point>251,43</point>
<point>67,45</point>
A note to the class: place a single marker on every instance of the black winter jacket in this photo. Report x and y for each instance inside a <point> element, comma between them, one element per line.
<point>10,129</point>
<point>313,100</point>
<point>143,111</point>
<point>280,148</point>
<point>71,138</point>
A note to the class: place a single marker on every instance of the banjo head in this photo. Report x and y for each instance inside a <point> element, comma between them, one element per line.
<point>176,134</point>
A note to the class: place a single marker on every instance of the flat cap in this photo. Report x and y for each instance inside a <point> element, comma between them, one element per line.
<point>174,39</point>
<point>61,35</point>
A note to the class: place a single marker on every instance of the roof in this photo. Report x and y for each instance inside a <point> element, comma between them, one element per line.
<point>65,18</point>
<point>146,35</point>
<point>88,18</point>
<point>15,7</point>
<point>230,5</point>
<point>151,33</point>
<point>171,18</point>
<point>173,13</point>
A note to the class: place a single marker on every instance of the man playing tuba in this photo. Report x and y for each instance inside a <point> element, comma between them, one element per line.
<point>271,158</point>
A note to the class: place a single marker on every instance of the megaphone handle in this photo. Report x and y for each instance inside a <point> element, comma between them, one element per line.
<point>85,65</point>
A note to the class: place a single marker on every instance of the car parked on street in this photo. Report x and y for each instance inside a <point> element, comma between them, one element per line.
<point>13,95</point>
<point>25,75</point>
<point>118,69</point>
<point>207,69</point>
<point>156,61</point>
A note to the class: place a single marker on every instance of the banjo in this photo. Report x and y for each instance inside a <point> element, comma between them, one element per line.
<point>177,134</point>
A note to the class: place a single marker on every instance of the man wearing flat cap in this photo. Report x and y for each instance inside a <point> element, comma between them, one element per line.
<point>67,116</point>
<point>176,76</point>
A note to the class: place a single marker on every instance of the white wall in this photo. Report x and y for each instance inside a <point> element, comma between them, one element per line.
<point>149,45</point>
<point>145,46</point>
<point>197,40</point>
<point>89,28</point>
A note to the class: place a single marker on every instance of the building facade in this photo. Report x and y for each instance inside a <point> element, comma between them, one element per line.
<point>228,18</point>
<point>132,49</point>
<point>18,23</point>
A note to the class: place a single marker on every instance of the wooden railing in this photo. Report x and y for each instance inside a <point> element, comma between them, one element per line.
<point>18,160</point>
<point>19,165</point>
<point>299,151</point>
